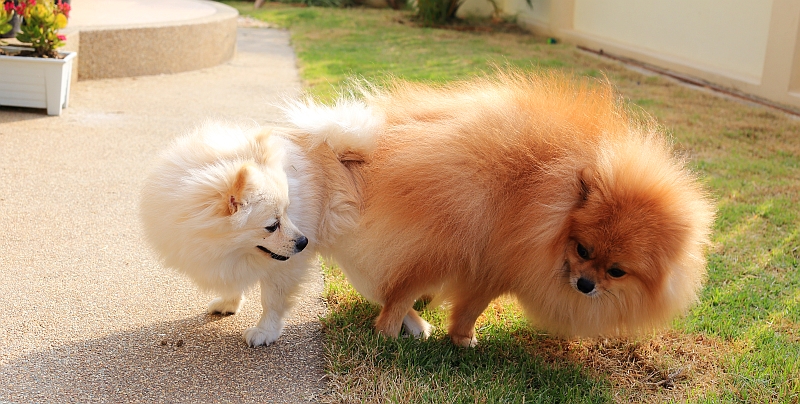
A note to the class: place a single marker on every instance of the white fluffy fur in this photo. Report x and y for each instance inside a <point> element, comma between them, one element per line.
<point>207,202</point>
<point>349,125</point>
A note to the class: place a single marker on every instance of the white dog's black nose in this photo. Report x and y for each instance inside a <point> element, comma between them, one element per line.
<point>300,243</point>
<point>585,285</point>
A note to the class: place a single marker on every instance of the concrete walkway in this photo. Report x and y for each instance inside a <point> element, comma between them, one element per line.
<point>87,314</point>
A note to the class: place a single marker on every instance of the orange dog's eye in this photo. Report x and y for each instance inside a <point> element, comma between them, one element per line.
<point>583,252</point>
<point>616,273</point>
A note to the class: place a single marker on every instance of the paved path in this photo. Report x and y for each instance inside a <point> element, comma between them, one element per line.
<point>87,314</point>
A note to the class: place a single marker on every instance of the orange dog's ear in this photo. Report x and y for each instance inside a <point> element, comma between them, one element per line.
<point>586,181</point>
<point>242,185</point>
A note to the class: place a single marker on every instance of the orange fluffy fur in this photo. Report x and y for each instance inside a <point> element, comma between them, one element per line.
<point>488,187</point>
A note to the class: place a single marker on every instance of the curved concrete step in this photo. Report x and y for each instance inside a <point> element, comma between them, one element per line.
<point>125,38</point>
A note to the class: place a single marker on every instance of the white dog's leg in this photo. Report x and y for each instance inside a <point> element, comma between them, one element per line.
<point>416,326</point>
<point>276,302</point>
<point>226,304</point>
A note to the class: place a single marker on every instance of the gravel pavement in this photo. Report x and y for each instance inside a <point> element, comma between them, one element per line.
<point>87,313</point>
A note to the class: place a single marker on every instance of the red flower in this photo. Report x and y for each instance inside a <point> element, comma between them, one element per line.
<point>8,6</point>
<point>61,38</point>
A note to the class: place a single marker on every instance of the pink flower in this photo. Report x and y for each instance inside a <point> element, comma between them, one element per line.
<point>61,38</point>
<point>65,8</point>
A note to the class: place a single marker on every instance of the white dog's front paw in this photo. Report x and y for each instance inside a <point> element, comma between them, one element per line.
<point>222,305</point>
<point>255,336</point>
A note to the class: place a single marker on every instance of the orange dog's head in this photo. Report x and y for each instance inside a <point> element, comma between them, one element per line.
<point>634,254</point>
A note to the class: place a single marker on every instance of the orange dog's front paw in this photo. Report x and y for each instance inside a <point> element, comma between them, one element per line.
<point>466,341</point>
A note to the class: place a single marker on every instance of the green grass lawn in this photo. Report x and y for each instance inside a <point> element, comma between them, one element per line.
<point>740,344</point>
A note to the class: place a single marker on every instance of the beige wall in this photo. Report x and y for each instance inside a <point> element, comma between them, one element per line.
<point>750,46</point>
<point>729,35</point>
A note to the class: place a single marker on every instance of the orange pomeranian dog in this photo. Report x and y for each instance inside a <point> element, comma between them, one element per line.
<point>535,186</point>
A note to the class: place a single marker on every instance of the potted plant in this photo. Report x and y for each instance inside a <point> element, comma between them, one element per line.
<point>35,74</point>
<point>12,20</point>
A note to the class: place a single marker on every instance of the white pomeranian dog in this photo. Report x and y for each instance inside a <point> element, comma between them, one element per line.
<point>231,207</point>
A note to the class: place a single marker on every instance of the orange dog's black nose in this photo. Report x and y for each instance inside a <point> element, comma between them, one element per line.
<point>585,285</point>
<point>300,243</point>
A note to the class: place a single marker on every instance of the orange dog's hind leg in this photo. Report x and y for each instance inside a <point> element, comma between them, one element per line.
<point>466,310</point>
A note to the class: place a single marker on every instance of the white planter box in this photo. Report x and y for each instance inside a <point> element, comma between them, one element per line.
<point>35,82</point>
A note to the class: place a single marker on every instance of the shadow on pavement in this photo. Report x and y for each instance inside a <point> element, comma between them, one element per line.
<point>16,114</point>
<point>188,360</point>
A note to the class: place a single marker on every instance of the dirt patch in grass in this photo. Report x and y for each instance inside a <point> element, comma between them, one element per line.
<point>668,366</point>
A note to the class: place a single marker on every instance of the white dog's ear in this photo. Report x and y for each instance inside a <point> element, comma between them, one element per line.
<point>268,149</point>
<point>248,181</point>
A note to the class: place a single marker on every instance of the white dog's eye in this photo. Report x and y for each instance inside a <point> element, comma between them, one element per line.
<point>273,227</point>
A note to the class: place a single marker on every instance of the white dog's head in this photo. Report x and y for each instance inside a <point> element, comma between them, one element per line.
<point>257,203</point>
<point>215,205</point>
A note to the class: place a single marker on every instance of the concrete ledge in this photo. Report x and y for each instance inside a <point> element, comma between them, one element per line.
<point>160,47</point>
